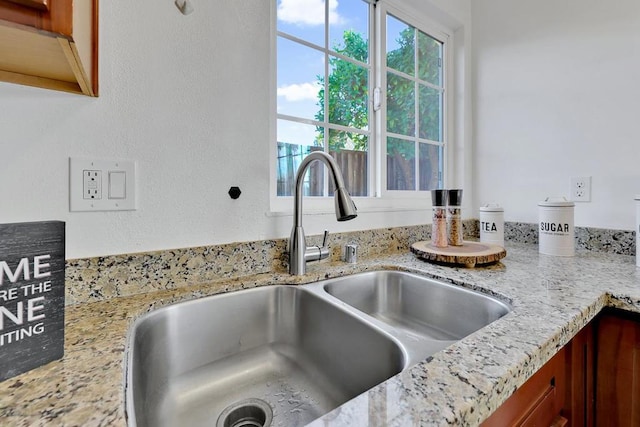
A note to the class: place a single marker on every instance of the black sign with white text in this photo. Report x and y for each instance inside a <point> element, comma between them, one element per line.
<point>32,260</point>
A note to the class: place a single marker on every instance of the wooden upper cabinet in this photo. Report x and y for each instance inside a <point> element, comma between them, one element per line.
<point>50,43</point>
<point>34,4</point>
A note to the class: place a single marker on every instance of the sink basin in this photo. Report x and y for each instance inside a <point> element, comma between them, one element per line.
<point>427,315</point>
<point>278,353</point>
<point>286,355</point>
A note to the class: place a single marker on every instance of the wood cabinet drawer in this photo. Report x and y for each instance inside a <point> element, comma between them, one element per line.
<point>538,402</point>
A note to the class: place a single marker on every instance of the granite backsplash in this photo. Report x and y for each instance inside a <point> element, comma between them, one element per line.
<point>101,278</point>
<point>619,242</point>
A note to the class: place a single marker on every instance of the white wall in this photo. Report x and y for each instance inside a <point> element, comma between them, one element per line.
<point>188,98</point>
<point>557,95</point>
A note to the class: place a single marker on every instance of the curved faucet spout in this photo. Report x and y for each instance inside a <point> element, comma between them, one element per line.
<point>345,208</point>
<point>299,253</point>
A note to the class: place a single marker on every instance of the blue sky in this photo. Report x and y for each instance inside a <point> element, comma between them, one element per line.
<point>299,66</point>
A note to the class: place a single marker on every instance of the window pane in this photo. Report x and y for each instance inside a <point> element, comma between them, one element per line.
<point>401,115</point>
<point>348,94</point>
<point>430,114</point>
<point>431,161</point>
<point>400,46</point>
<point>302,19</point>
<point>401,165</point>
<point>413,96</point>
<point>429,59</point>
<point>349,29</point>
<point>351,151</point>
<point>300,71</point>
<point>295,141</point>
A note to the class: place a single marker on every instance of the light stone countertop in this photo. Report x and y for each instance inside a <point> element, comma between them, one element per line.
<point>552,299</point>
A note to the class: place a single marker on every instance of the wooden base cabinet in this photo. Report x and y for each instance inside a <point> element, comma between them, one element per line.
<point>593,381</point>
<point>539,401</point>
<point>560,394</point>
<point>51,44</point>
<point>580,397</point>
<point>618,370</point>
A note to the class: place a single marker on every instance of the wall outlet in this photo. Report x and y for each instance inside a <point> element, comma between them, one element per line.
<point>92,184</point>
<point>581,189</point>
<point>102,185</point>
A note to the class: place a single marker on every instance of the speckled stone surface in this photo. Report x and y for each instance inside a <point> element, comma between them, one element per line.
<point>594,239</point>
<point>100,278</point>
<point>552,299</point>
<point>602,240</point>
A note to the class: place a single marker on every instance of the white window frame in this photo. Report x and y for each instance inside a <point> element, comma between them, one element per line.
<point>382,10</point>
<point>380,199</point>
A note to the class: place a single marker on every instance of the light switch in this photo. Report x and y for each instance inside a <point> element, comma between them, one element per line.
<point>117,185</point>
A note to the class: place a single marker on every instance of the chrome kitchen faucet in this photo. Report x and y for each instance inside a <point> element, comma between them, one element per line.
<point>299,252</point>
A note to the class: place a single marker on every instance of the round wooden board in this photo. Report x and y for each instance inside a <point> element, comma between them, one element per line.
<point>470,253</point>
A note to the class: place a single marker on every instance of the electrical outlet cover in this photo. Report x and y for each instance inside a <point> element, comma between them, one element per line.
<point>581,189</point>
<point>86,195</point>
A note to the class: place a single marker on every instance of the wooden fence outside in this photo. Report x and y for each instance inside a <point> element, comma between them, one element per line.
<point>354,167</point>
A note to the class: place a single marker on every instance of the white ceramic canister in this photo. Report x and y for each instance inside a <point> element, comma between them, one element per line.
<point>555,228</point>
<point>638,230</point>
<point>492,224</point>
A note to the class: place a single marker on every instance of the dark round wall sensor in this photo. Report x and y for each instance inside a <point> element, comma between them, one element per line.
<point>234,192</point>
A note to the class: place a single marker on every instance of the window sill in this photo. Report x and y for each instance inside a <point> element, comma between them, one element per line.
<point>283,206</point>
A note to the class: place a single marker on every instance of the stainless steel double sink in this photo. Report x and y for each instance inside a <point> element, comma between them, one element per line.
<point>285,355</point>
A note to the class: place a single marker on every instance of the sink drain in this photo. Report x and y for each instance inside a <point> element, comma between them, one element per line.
<point>246,413</point>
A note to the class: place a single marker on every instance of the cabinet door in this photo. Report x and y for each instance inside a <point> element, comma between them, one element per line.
<point>580,398</point>
<point>618,371</point>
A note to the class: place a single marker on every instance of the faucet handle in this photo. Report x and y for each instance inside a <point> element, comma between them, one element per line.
<point>324,250</point>
<point>316,253</point>
<point>325,238</point>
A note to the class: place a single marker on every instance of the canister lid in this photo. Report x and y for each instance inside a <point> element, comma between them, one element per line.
<point>556,202</point>
<point>439,197</point>
<point>455,197</point>
<point>491,207</point>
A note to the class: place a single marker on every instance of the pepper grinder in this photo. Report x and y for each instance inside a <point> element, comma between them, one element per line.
<point>454,217</point>
<point>439,222</point>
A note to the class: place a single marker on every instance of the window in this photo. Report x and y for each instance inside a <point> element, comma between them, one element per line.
<point>360,81</point>
<point>414,119</point>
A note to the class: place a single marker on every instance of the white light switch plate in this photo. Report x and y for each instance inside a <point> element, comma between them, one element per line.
<point>110,193</point>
